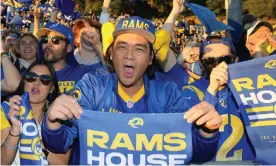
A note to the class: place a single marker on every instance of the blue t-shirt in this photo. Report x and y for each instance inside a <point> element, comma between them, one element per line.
<point>70,75</point>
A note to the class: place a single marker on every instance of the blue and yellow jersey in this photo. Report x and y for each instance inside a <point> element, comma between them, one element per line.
<point>133,104</point>
<point>234,143</point>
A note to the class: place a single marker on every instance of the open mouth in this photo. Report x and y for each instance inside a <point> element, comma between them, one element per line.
<point>28,51</point>
<point>35,91</point>
<point>48,52</point>
<point>128,71</point>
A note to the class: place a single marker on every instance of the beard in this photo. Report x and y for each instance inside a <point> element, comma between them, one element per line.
<point>56,55</point>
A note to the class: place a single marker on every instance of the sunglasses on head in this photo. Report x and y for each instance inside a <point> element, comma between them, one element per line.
<point>55,39</point>
<point>228,59</point>
<point>44,79</point>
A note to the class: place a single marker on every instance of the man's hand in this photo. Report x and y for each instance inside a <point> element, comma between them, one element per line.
<point>178,6</point>
<point>91,36</point>
<point>218,78</point>
<point>204,114</point>
<point>63,108</point>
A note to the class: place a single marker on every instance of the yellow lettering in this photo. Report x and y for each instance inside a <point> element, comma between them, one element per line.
<point>177,139</point>
<point>98,137</point>
<point>157,139</point>
<point>146,26</point>
<point>131,24</point>
<point>125,144</point>
<point>22,112</point>
<point>139,25</point>
<point>243,83</point>
<point>125,24</point>
<point>265,80</point>
<point>232,140</point>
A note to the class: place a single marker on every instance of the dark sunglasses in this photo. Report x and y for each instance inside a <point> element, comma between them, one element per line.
<point>44,79</point>
<point>55,39</point>
<point>228,59</point>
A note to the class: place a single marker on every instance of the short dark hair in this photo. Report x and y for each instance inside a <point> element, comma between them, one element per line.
<point>150,70</point>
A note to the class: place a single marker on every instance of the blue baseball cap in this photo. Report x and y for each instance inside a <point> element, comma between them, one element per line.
<point>221,40</point>
<point>13,35</point>
<point>136,25</point>
<point>55,27</point>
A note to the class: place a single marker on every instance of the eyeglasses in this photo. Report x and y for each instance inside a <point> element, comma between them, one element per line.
<point>228,59</point>
<point>55,39</point>
<point>44,79</point>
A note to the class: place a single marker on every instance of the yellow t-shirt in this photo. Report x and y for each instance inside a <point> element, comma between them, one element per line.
<point>4,122</point>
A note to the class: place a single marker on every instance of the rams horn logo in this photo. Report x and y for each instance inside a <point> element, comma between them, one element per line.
<point>271,64</point>
<point>76,94</point>
<point>136,122</point>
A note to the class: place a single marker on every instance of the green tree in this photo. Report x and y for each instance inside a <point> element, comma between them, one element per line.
<point>217,6</point>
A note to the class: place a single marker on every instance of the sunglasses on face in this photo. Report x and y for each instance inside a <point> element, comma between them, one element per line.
<point>44,79</point>
<point>228,59</point>
<point>55,39</point>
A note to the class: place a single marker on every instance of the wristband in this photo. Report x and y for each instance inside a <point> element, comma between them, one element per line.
<point>13,135</point>
<point>10,147</point>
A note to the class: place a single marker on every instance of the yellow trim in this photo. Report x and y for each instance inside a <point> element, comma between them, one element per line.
<point>263,123</point>
<point>260,109</point>
<point>26,141</point>
<point>199,93</point>
<point>135,98</point>
<point>29,156</point>
<point>191,80</point>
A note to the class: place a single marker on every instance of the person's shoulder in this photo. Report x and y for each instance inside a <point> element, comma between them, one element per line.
<point>99,77</point>
<point>162,86</point>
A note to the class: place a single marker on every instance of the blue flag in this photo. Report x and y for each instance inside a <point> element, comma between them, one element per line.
<point>253,84</point>
<point>65,6</point>
<point>30,142</point>
<point>207,18</point>
<point>134,139</point>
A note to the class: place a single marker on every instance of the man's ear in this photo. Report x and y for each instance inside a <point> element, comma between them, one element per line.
<point>110,51</point>
<point>69,48</point>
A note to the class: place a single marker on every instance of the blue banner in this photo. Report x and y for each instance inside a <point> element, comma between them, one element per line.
<point>253,84</point>
<point>134,139</point>
<point>30,142</point>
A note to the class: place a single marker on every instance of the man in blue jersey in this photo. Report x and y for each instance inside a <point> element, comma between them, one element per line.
<point>58,43</point>
<point>128,88</point>
<point>216,53</point>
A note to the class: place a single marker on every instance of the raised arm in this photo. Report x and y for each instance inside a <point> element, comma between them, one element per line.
<point>11,76</point>
<point>105,13</point>
<point>178,7</point>
<point>36,18</point>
